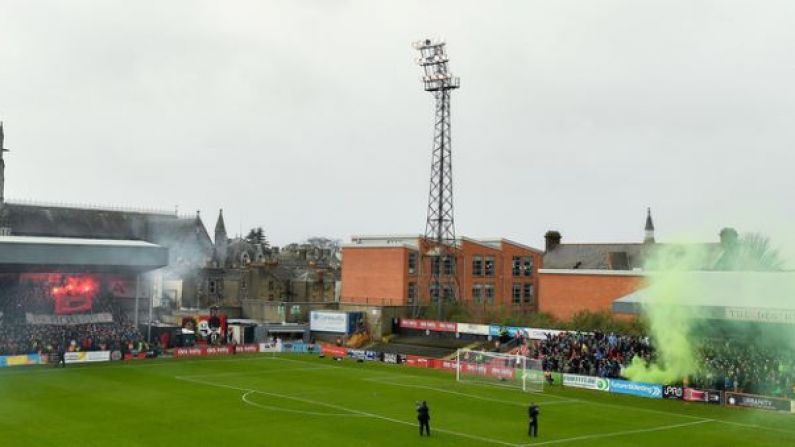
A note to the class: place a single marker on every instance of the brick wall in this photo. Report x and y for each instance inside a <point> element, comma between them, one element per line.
<point>564,294</point>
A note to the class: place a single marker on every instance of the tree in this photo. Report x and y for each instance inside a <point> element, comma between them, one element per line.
<point>257,236</point>
<point>324,242</point>
<point>756,253</point>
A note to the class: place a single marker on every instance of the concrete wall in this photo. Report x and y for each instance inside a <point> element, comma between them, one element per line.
<point>378,318</point>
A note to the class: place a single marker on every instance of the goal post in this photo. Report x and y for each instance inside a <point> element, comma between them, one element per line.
<point>494,368</point>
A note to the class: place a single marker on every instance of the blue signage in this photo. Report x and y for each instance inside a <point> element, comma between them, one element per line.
<point>496,330</point>
<point>642,389</point>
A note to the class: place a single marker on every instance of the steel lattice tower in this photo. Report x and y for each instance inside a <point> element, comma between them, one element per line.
<point>440,227</point>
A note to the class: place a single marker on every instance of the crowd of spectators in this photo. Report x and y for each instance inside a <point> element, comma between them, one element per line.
<point>745,365</point>
<point>591,353</point>
<point>742,365</point>
<point>28,338</point>
<point>17,336</point>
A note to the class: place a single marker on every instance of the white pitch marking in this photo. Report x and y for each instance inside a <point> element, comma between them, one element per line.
<point>363,413</point>
<point>256,373</point>
<point>245,399</point>
<point>619,433</point>
<point>128,364</point>
<point>740,424</point>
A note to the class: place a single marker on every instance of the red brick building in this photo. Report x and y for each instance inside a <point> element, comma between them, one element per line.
<point>393,270</point>
<point>591,276</point>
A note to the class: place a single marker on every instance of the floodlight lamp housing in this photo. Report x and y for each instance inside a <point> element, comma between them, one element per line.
<point>433,60</point>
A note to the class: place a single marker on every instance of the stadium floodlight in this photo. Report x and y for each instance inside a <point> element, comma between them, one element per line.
<point>495,368</point>
<point>433,61</point>
<point>439,226</point>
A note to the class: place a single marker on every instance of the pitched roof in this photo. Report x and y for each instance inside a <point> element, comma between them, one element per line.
<point>186,238</point>
<point>617,256</point>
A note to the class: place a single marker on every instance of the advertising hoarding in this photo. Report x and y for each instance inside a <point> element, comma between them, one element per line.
<point>707,396</point>
<point>327,321</point>
<point>586,382</point>
<point>759,402</point>
<point>641,389</point>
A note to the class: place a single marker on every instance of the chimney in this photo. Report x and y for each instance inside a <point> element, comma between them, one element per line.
<point>728,238</point>
<point>552,239</point>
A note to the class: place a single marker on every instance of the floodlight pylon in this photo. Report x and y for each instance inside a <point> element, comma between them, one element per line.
<point>440,225</point>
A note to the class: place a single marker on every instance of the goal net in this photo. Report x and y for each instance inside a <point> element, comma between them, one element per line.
<point>494,368</point>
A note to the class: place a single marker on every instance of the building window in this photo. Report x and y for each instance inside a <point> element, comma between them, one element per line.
<point>477,293</point>
<point>477,266</point>
<point>449,265</point>
<point>528,265</point>
<point>412,293</point>
<point>447,292</point>
<point>516,294</point>
<point>516,266</point>
<point>528,293</point>
<point>412,263</point>
<point>488,266</point>
<point>434,292</point>
<point>435,262</point>
<point>211,286</point>
<point>489,289</point>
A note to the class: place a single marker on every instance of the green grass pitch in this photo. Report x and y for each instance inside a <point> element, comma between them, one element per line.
<point>300,400</point>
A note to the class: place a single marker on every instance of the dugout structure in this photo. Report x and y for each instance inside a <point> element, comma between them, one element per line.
<point>500,369</point>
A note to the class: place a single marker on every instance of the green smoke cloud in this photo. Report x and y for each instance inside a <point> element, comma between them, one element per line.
<point>670,321</point>
<point>673,320</point>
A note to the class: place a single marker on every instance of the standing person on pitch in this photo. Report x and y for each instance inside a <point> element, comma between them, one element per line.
<point>61,356</point>
<point>424,416</point>
<point>532,413</point>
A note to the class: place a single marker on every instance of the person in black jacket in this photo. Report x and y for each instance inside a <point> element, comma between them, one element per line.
<point>424,416</point>
<point>61,356</point>
<point>532,413</point>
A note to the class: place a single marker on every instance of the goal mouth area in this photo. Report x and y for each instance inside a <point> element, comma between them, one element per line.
<point>499,369</point>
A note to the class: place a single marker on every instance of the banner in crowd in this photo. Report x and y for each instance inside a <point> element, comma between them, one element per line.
<point>62,320</point>
<point>587,382</point>
<point>673,392</point>
<point>706,396</point>
<point>760,402</point>
<point>121,287</point>
<point>428,325</point>
<point>642,389</point>
<point>20,360</point>
<point>87,357</point>
<point>475,329</point>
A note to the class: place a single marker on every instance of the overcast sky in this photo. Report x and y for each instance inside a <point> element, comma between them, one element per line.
<point>308,117</point>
